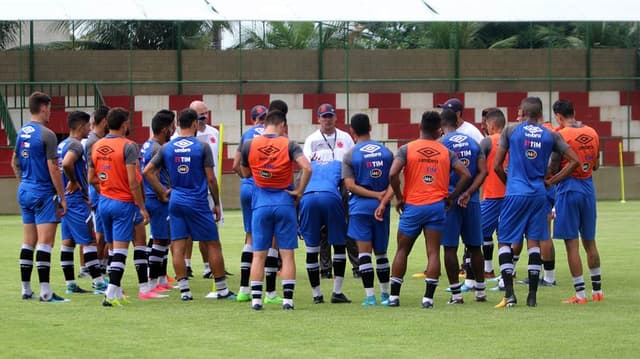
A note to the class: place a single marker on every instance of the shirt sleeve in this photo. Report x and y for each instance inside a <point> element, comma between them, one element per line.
<point>157,159</point>
<point>402,153</point>
<point>485,146</point>
<point>76,147</point>
<point>453,159</point>
<point>295,150</point>
<point>50,144</point>
<point>347,170</point>
<point>504,137</point>
<point>131,153</point>
<point>559,144</point>
<point>245,152</point>
<point>207,155</point>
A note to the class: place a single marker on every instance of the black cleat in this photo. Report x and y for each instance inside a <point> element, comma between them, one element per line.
<point>189,272</point>
<point>339,298</point>
<point>28,296</point>
<point>326,274</point>
<point>287,306</point>
<point>544,283</point>
<point>207,275</point>
<point>428,305</point>
<point>256,307</point>
<point>318,300</point>
<point>531,300</point>
<point>391,303</point>
<point>453,300</point>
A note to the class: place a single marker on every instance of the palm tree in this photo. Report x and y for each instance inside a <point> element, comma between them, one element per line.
<point>294,35</point>
<point>8,32</point>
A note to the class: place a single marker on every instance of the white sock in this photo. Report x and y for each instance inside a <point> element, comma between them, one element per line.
<point>207,268</point>
<point>488,266</point>
<point>26,288</point>
<point>550,276</point>
<point>187,262</point>
<point>384,287</point>
<point>287,301</point>
<point>428,300</point>
<point>255,301</point>
<point>144,287</point>
<point>45,290</point>
<point>272,295</point>
<point>316,291</point>
<point>470,283</point>
<point>111,292</point>
<point>244,290</point>
<point>337,284</point>
<point>369,292</point>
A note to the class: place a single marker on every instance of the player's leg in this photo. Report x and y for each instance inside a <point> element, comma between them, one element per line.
<point>285,233</point>
<point>271,273</point>
<point>548,253</point>
<point>325,255</point>
<point>118,219</point>
<point>334,217</point>
<point>450,241</point>
<point>311,224</point>
<point>536,230</point>
<point>588,234</point>
<point>472,238</point>
<point>30,238</point>
<point>432,239</point>
<point>244,293</point>
<point>141,260</point>
<point>489,213</point>
<point>380,246</point>
<point>206,272</point>
<point>66,262</point>
<point>46,219</point>
<point>187,256</point>
<point>262,218</point>
<point>178,248</point>
<point>361,229</point>
<point>513,217</point>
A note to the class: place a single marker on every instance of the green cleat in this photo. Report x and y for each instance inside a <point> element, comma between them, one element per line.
<point>111,302</point>
<point>369,301</point>
<point>275,300</point>
<point>242,297</point>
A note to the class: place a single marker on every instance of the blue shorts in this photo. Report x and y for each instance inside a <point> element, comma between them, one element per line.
<point>319,209</point>
<point>77,223</point>
<point>279,221</point>
<point>138,218</point>
<point>192,219</point>
<point>463,222</point>
<point>365,228</point>
<point>551,199</point>
<point>159,218</point>
<point>98,226</point>
<point>490,212</point>
<point>246,195</point>
<point>416,218</point>
<point>37,207</point>
<point>575,214</point>
<point>523,215</point>
<point>118,219</point>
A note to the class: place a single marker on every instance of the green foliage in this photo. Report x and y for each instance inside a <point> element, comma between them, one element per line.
<point>204,328</point>
<point>294,35</point>
<point>8,32</point>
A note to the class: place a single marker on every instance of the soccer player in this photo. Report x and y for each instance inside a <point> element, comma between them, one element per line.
<point>321,206</point>
<point>269,158</point>
<point>462,126</point>
<point>427,165</point>
<point>40,195</point>
<point>163,126</point>
<point>330,142</point>
<point>463,217</point>
<point>365,170</point>
<point>576,202</point>
<point>114,168</point>
<point>492,190</point>
<point>76,224</point>
<point>247,187</point>
<point>529,146</point>
<point>99,129</point>
<point>189,163</point>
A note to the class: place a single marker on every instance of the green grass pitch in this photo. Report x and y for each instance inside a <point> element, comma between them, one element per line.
<point>208,328</point>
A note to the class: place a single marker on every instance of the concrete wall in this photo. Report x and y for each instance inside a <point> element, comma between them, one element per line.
<point>607,181</point>
<point>282,65</point>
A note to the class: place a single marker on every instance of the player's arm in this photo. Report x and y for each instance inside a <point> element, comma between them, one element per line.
<point>212,182</point>
<point>132,166</point>
<point>245,171</point>
<point>394,184</point>
<point>305,168</point>
<point>501,153</point>
<point>349,181</point>
<point>51,151</point>
<point>464,175</point>
<point>560,146</point>
<point>68,163</point>
<point>150,173</point>
<point>237,168</point>
<point>15,164</point>
<point>478,180</point>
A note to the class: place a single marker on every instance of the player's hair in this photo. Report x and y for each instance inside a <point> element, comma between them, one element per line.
<point>487,110</point>
<point>275,117</point>
<point>564,108</point>
<point>116,117</point>
<point>186,118</point>
<point>162,120</point>
<point>77,119</point>
<point>449,118</point>
<point>100,114</point>
<point>360,124</point>
<point>531,107</point>
<point>496,116</point>
<point>36,100</point>
<point>279,105</point>
<point>430,122</point>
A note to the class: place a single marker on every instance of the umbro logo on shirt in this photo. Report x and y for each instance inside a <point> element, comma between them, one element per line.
<point>269,150</point>
<point>428,152</point>
<point>370,148</point>
<point>458,138</point>
<point>183,143</point>
<point>583,139</point>
<point>105,150</point>
<point>533,129</point>
<point>28,129</point>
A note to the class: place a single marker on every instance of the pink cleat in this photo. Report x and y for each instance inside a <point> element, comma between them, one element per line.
<point>151,295</point>
<point>159,289</point>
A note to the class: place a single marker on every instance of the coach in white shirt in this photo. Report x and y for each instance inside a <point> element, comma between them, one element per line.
<point>464,127</point>
<point>329,142</point>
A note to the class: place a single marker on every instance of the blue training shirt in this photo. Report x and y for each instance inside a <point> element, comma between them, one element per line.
<point>35,145</point>
<point>185,159</point>
<point>79,169</point>
<point>325,177</point>
<point>530,146</point>
<point>249,134</point>
<point>368,163</point>
<point>147,152</point>
<point>468,152</point>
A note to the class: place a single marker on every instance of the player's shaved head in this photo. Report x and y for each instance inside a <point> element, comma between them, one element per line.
<point>430,122</point>
<point>360,124</point>
<point>199,107</point>
<point>279,105</point>
<point>496,116</point>
<point>186,118</point>
<point>449,119</point>
<point>532,107</point>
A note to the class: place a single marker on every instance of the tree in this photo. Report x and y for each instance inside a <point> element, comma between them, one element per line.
<point>8,32</point>
<point>294,35</point>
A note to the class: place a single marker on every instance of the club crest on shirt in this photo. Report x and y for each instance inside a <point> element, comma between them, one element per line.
<point>465,161</point>
<point>265,174</point>
<point>102,176</point>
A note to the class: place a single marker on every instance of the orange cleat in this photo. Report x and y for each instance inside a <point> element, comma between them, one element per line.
<point>575,300</point>
<point>597,297</point>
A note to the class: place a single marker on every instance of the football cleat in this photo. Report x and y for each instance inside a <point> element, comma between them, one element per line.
<point>151,295</point>
<point>575,300</point>
<point>489,275</point>
<point>111,302</point>
<point>54,299</point>
<point>453,300</point>
<point>230,295</point>
<point>275,300</point>
<point>427,305</point>
<point>544,283</point>
<point>597,297</point>
<point>369,301</point>
<point>531,300</point>
<point>28,296</point>
<point>74,288</point>
<point>318,299</point>
<point>507,302</point>
<point>185,297</point>
<point>287,306</point>
<point>339,298</point>
<point>256,307</point>
<point>243,297</point>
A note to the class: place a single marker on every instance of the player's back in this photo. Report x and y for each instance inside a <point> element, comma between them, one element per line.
<point>185,160</point>
<point>79,168</point>
<point>493,187</point>
<point>467,150</point>
<point>250,134</point>
<point>426,173</point>
<point>147,151</point>
<point>31,150</point>
<point>108,156</point>
<point>585,142</point>
<point>370,162</point>
<point>325,177</point>
<point>530,146</point>
<point>88,146</point>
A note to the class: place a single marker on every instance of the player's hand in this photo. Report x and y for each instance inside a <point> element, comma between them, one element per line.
<point>62,206</point>
<point>145,215</point>
<point>296,194</point>
<point>216,212</point>
<point>547,183</point>
<point>463,200</point>
<point>400,206</point>
<point>71,187</point>
<point>448,202</point>
<point>164,196</point>
<point>379,213</point>
<point>381,195</point>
